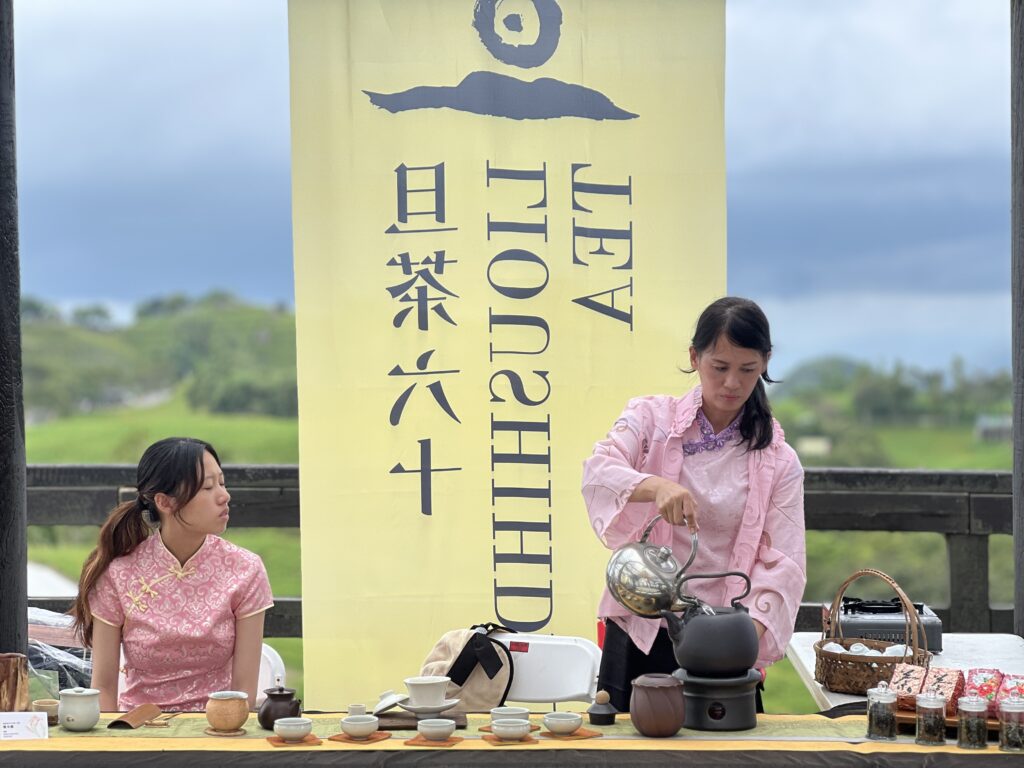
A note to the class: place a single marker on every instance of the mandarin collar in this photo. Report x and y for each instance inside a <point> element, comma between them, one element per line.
<point>167,555</point>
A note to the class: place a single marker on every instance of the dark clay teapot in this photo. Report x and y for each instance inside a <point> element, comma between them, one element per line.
<point>280,702</point>
<point>714,642</point>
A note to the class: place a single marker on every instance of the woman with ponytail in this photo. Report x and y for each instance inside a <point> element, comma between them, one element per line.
<point>713,459</point>
<point>184,605</point>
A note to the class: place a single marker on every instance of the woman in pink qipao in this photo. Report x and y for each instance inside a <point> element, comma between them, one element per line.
<point>185,605</point>
<point>714,459</point>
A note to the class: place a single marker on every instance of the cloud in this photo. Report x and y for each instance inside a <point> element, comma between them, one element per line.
<point>227,228</point>
<point>936,226</point>
<point>917,329</point>
<point>867,145</point>
<point>832,81</point>
<point>135,90</point>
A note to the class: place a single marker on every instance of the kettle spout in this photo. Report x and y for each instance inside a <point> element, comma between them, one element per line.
<point>675,626</point>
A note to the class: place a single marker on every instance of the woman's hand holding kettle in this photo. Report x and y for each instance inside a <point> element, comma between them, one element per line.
<point>673,502</point>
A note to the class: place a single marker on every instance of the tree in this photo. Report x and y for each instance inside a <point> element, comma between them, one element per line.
<point>35,310</point>
<point>95,317</point>
<point>162,305</point>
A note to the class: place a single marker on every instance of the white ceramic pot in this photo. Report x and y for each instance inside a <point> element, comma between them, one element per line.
<point>79,709</point>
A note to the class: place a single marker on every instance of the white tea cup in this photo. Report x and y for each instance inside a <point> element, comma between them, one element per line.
<point>427,690</point>
<point>519,713</point>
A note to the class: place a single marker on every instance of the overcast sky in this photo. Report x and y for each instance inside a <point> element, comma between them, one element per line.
<point>867,145</point>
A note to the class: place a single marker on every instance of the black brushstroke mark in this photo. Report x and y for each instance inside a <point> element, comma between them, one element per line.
<point>490,93</point>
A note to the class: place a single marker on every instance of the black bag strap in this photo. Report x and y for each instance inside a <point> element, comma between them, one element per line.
<point>490,626</point>
<point>481,649</point>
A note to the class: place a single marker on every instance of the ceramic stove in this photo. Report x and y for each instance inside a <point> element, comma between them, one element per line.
<point>720,703</point>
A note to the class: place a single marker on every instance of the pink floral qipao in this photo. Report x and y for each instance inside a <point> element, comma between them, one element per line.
<point>178,622</point>
<point>750,512</point>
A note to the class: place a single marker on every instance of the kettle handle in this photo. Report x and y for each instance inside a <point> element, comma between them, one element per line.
<point>735,601</point>
<point>693,544</point>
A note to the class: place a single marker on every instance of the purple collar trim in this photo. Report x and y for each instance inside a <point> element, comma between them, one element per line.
<point>709,441</point>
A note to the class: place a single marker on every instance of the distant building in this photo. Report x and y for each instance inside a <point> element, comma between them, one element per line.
<point>813,445</point>
<point>993,429</point>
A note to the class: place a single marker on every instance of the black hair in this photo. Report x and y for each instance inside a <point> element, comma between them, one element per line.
<point>173,466</point>
<point>744,324</point>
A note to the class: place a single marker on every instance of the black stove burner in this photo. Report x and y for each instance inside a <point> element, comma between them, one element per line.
<point>720,703</point>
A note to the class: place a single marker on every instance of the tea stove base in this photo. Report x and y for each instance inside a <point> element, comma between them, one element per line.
<point>720,703</point>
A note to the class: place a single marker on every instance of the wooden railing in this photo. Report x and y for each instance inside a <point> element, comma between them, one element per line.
<point>966,507</point>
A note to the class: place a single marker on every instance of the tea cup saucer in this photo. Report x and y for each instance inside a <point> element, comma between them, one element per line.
<point>423,712</point>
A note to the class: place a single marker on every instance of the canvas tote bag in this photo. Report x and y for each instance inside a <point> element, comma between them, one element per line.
<point>480,667</point>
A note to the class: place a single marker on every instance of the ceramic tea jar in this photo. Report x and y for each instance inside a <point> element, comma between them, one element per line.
<point>79,709</point>
<point>280,702</point>
<point>227,710</point>
<point>656,706</point>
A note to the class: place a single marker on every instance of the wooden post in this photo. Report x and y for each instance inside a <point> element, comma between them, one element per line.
<point>13,682</point>
<point>1017,282</point>
<point>13,527</point>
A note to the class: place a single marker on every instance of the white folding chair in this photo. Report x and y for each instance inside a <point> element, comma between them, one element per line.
<point>272,672</point>
<point>551,667</point>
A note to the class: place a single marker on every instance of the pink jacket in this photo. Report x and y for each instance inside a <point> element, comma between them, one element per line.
<point>769,546</point>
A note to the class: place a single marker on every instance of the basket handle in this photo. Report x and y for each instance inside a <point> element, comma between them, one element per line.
<point>912,634</point>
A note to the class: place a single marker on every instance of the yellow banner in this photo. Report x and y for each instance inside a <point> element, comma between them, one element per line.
<point>506,218</point>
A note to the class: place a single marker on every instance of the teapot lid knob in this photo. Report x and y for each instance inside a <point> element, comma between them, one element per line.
<point>602,697</point>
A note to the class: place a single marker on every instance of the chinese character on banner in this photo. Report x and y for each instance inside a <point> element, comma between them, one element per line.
<point>426,471</point>
<point>430,268</point>
<point>430,196</point>
<point>436,388</point>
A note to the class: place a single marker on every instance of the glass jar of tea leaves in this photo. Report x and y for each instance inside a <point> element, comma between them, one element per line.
<point>1011,724</point>
<point>931,719</point>
<point>882,713</point>
<point>972,723</point>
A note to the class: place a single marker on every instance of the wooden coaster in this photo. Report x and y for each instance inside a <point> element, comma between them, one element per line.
<point>487,728</point>
<point>211,732</point>
<point>344,738</point>
<point>492,739</point>
<point>309,740</point>
<point>419,741</point>
<point>579,733</point>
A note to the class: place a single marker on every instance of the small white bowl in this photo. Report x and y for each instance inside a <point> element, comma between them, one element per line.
<point>293,728</point>
<point>359,726</point>
<point>563,723</point>
<point>517,713</point>
<point>510,728</point>
<point>436,728</point>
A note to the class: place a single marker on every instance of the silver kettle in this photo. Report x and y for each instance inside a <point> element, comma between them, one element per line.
<point>647,579</point>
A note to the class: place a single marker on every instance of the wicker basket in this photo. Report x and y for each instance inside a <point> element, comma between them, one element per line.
<point>844,673</point>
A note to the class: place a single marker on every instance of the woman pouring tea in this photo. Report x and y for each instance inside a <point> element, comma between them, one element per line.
<point>185,605</point>
<point>713,460</point>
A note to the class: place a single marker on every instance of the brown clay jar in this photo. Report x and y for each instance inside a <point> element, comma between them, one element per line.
<point>227,710</point>
<point>656,705</point>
